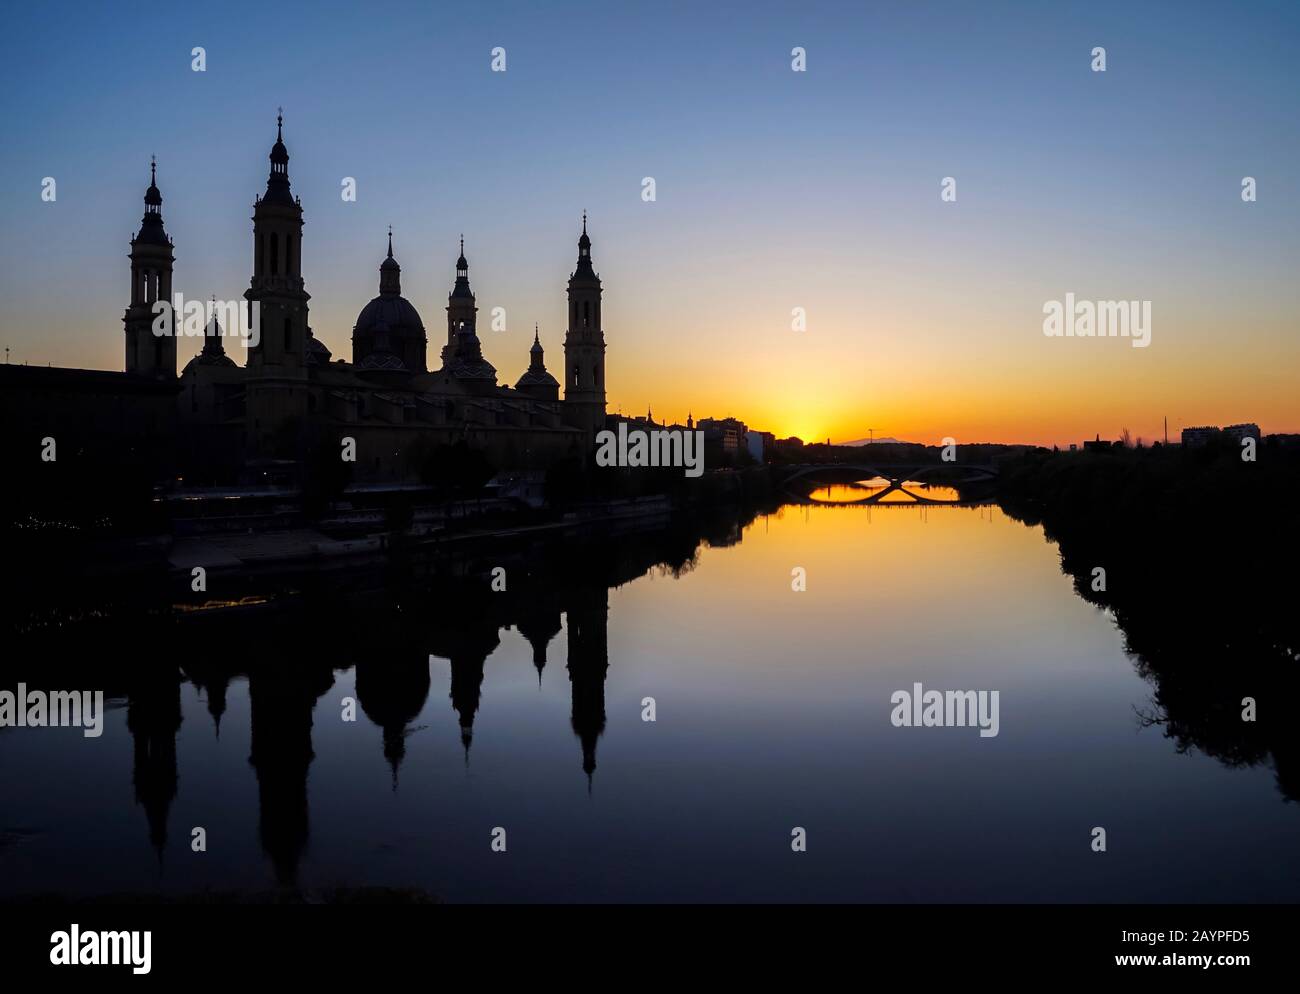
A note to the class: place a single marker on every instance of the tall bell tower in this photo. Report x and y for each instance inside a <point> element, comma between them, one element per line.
<point>584,345</point>
<point>148,354</point>
<point>277,299</point>
<point>461,309</point>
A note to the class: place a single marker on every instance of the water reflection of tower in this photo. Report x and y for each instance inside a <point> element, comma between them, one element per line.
<point>467,649</point>
<point>588,616</point>
<point>392,693</point>
<point>153,718</point>
<point>213,680</point>
<point>282,697</point>
<point>539,626</point>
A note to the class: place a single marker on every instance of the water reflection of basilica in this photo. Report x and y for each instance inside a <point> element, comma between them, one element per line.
<point>396,636</point>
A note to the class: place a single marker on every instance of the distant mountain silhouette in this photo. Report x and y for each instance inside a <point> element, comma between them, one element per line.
<point>878,441</point>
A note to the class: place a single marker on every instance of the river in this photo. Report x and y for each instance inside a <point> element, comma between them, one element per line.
<point>525,711</point>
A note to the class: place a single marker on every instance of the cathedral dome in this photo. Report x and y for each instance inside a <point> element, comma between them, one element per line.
<point>537,376</point>
<point>389,327</point>
<point>392,314</point>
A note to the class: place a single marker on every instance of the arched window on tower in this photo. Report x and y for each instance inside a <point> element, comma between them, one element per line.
<point>288,255</point>
<point>586,313</point>
<point>288,336</point>
<point>275,254</point>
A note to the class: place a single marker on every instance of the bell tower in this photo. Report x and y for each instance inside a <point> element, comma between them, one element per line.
<point>148,354</point>
<point>584,345</point>
<point>277,300</point>
<point>461,309</point>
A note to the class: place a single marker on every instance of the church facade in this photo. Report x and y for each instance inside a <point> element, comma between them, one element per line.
<point>292,403</point>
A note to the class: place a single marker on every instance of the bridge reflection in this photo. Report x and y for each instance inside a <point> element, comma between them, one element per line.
<point>802,484</point>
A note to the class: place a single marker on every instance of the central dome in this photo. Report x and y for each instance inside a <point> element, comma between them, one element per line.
<point>389,327</point>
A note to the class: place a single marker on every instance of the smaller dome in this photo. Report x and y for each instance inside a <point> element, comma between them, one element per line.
<point>468,363</point>
<point>213,354</point>
<point>206,360</point>
<point>317,352</point>
<point>536,378</point>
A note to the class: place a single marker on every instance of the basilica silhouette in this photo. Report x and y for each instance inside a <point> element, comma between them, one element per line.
<point>291,401</point>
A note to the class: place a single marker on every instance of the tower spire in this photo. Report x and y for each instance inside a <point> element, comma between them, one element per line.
<point>584,344</point>
<point>151,280</point>
<point>390,273</point>
<point>461,309</point>
<point>584,251</point>
<point>277,183</point>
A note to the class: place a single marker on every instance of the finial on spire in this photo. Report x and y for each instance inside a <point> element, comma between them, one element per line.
<point>536,339</point>
<point>279,124</point>
<point>390,241</point>
<point>153,163</point>
<point>462,243</point>
<point>584,220</point>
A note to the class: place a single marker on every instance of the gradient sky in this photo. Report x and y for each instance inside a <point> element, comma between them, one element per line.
<point>776,190</point>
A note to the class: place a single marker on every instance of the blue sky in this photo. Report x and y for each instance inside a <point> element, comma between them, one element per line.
<point>775,189</point>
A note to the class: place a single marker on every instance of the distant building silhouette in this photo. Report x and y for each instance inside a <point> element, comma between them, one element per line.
<point>1199,437</point>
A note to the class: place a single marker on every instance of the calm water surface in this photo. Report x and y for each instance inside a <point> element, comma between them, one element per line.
<point>772,712</point>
